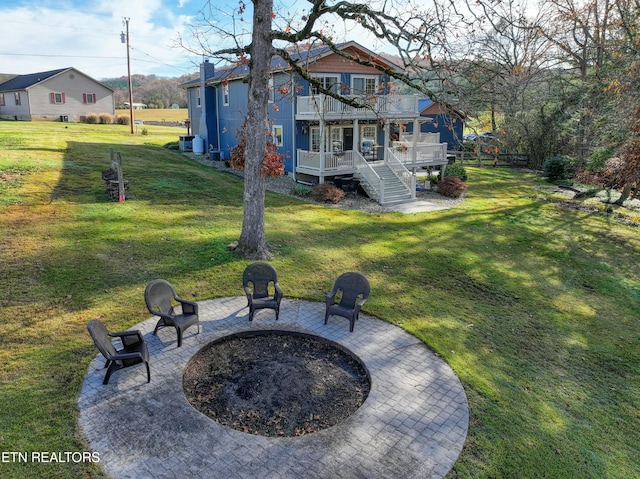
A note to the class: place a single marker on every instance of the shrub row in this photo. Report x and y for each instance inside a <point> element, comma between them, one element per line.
<point>106,119</point>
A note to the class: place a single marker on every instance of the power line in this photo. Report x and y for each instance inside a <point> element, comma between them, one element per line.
<point>160,62</point>
<point>53,55</point>
<point>154,61</point>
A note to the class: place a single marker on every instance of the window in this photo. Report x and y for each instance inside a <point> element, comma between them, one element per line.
<point>2,99</point>
<point>328,82</point>
<point>272,90</point>
<point>225,94</point>
<point>89,98</point>
<point>277,133</point>
<point>198,99</point>
<point>368,132</point>
<point>336,140</point>
<point>16,97</point>
<point>364,85</point>
<point>57,98</point>
<point>315,139</point>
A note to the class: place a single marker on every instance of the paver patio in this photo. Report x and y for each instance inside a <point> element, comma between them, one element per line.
<point>413,424</point>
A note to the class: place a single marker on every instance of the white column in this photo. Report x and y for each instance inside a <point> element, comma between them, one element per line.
<point>356,135</point>
<point>416,133</point>
<point>322,152</point>
<point>386,140</point>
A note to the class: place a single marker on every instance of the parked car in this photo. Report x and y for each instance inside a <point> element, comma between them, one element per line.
<point>469,137</point>
<point>487,135</point>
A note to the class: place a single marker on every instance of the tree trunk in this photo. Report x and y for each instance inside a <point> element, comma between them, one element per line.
<point>253,241</point>
<point>624,194</point>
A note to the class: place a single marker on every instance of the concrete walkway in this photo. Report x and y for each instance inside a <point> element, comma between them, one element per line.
<point>419,206</point>
<point>412,425</point>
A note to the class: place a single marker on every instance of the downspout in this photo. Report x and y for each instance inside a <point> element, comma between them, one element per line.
<point>202,124</point>
<point>293,126</point>
<point>218,122</point>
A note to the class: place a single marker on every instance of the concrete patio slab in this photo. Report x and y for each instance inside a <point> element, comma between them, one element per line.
<point>418,206</point>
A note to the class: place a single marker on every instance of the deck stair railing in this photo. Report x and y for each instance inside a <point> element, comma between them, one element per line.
<point>370,181</point>
<point>400,171</point>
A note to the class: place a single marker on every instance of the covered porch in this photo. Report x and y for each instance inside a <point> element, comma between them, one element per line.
<point>340,150</point>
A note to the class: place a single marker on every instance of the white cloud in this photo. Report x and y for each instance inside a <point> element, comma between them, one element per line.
<point>88,38</point>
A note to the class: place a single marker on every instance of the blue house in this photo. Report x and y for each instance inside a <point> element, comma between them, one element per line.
<point>438,119</point>
<point>320,137</point>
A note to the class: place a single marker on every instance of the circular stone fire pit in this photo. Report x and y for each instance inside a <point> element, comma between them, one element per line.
<point>275,383</point>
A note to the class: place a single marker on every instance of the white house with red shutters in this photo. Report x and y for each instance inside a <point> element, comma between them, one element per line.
<point>58,95</point>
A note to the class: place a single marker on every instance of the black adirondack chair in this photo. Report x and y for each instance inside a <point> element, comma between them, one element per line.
<point>160,297</point>
<point>134,349</point>
<point>353,290</point>
<point>256,281</point>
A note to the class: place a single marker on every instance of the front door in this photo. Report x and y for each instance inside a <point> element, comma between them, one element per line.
<point>347,139</point>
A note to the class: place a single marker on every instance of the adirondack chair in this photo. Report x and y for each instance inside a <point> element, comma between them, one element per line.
<point>256,281</point>
<point>353,290</point>
<point>134,349</point>
<point>160,297</point>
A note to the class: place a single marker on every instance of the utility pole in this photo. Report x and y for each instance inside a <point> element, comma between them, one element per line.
<point>125,37</point>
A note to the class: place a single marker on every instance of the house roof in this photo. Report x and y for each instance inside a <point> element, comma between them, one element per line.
<point>24,82</point>
<point>278,63</point>
<point>425,103</point>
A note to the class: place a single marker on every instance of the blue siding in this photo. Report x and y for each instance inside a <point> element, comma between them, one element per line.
<point>450,129</point>
<point>224,122</point>
<point>232,116</point>
<point>212,120</point>
<point>281,112</point>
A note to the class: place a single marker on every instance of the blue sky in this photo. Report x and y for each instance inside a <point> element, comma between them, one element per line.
<point>41,35</point>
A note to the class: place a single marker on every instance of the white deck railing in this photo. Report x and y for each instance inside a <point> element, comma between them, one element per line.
<point>426,153</point>
<point>325,162</point>
<point>369,177</point>
<point>430,138</point>
<point>390,105</point>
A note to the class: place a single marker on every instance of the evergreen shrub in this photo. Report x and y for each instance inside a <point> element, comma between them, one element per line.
<point>456,170</point>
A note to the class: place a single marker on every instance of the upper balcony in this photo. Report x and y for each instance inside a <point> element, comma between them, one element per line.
<point>377,106</point>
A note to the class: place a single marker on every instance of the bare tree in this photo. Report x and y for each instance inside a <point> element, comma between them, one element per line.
<point>253,241</point>
<point>417,36</point>
<point>511,75</point>
<point>579,32</point>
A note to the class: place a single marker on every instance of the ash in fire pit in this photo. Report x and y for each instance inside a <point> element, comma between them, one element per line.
<point>275,383</point>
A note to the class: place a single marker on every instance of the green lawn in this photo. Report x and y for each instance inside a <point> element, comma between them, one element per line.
<point>535,306</point>
<point>158,114</point>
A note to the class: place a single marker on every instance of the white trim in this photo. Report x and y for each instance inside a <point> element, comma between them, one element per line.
<point>278,139</point>
<point>322,78</point>
<point>375,78</point>
<point>226,97</point>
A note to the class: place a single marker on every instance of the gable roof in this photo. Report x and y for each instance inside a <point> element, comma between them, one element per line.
<point>278,63</point>
<point>425,104</point>
<point>22,82</point>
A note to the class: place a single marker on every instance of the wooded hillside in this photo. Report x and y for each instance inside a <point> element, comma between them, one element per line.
<point>154,91</point>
